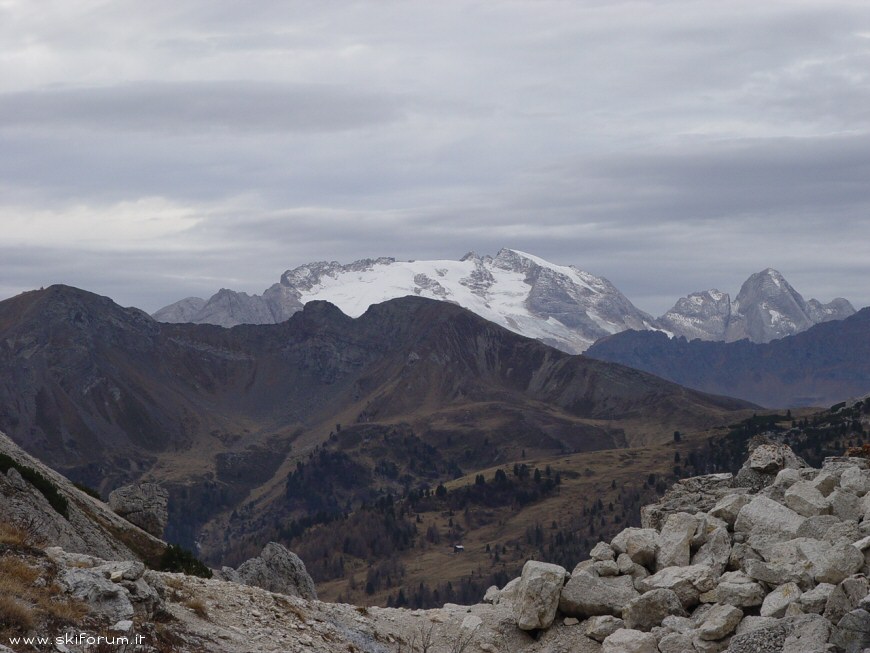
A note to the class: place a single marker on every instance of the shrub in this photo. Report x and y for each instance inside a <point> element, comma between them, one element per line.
<point>198,606</point>
<point>87,489</point>
<point>179,559</point>
<point>37,480</point>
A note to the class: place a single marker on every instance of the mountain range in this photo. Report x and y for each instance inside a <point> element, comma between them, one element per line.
<point>562,306</point>
<point>109,395</point>
<point>825,364</point>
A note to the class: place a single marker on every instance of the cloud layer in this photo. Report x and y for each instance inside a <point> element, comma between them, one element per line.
<point>153,151</point>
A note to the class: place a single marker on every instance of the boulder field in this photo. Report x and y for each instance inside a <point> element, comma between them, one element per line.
<point>773,559</point>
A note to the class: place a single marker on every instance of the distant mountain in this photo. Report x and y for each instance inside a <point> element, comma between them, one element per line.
<point>766,308</point>
<point>562,306</point>
<point>108,395</point>
<point>825,364</point>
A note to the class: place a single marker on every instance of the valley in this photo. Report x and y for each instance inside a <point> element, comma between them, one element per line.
<point>371,446</point>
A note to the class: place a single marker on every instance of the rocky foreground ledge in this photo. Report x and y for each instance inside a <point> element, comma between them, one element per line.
<point>773,559</point>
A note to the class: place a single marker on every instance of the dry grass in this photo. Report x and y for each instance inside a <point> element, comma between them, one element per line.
<point>198,606</point>
<point>15,614</point>
<point>29,597</point>
<point>16,576</point>
<point>63,609</point>
<point>174,583</point>
<point>13,535</point>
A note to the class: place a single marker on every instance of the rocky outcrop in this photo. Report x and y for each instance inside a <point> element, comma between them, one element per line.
<point>144,504</point>
<point>762,561</point>
<point>87,525</point>
<point>278,570</point>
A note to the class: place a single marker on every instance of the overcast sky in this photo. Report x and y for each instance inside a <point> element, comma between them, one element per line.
<point>155,150</point>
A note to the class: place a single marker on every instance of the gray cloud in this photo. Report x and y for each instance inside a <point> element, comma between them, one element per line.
<point>169,150</point>
<point>193,107</point>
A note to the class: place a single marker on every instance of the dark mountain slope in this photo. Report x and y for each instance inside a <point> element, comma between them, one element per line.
<point>108,395</point>
<point>825,364</point>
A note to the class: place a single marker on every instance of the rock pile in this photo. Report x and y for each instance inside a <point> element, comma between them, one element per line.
<point>773,559</point>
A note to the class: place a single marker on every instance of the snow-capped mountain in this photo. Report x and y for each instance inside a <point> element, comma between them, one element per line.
<point>766,308</point>
<point>562,306</point>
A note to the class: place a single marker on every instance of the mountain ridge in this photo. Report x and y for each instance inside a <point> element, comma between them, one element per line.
<point>562,306</point>
<point>108,395</point>
<point>825,364</point>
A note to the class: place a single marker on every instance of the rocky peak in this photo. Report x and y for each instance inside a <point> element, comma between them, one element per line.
<point>703,315</point>
<point>184,310</point>
<point>766,308</point>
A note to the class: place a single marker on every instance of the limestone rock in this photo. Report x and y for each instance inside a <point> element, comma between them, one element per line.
<point>751,622</point>
<point>538,597</point>
<point>765,520</point>
<point>778,600</point>
<point>625,564</point>
<point>855,480</point>
<point>599,627</point>
<point>806,500</point>
<point>627,640</point>
<point>741,554</point>
<point>601,551</point>
<point>585,595</point>
<point>708,645</point>
<point>804,634</point>
<point>837,563</point>
<point>720,622</point>
<point>649,609</point>
<point>102,595</point>
<point>846,505</point>
<point>809,634</point>
<point>817,527</point>
<point>826,482</point>
<point>639,543</point>
<point>852,633</point>
<point>769,458</point>
<point>715,552</point>
<point>698,493</point>
<point>278,570</point>
<point>606,568</point>
<point>676,643</point>
<point>687,582</point>
<point>845,597</point>
<point>144,504</point>
<point>675,538</point>
<point>779,573</point>
<point>737,589</point>
<point>728,507</point>
<point>814,600</point>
